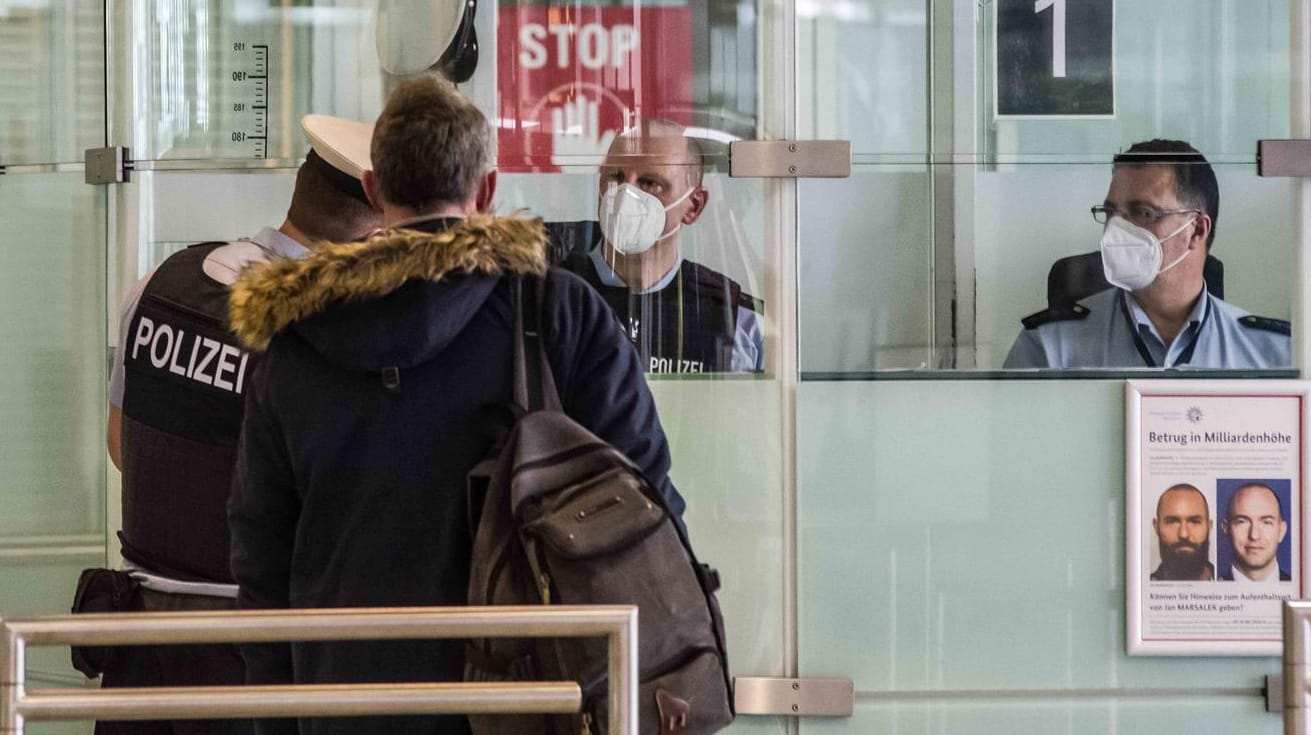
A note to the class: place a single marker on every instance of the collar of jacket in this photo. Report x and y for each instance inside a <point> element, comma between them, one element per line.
<point>270,297</point>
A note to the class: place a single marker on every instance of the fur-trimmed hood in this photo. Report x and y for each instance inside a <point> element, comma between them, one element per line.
<point>434,282</point>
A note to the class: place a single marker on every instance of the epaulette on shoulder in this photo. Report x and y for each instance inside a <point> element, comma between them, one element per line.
<point>747,301</point>
<point>1267,324</point>
<point>1071,313</point>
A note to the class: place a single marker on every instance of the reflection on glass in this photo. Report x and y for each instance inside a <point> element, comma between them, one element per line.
<point>570,76</point>
<point>861,74</point>
<point>52,100</point>
<point>867,274</point>
<point>1224,89</point>
<point>233,80</point>
<point>237,204</point>
<point>650,94</point>
<point>926,493</point>
<point>942,241</point>
<point>52,368</point>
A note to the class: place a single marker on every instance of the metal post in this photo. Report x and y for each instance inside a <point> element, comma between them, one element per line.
<point>13,668</point>
<point>1297,657</point>
<point>623,677</point>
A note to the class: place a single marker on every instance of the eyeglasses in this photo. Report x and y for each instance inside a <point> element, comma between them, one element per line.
<point>1143,215</point>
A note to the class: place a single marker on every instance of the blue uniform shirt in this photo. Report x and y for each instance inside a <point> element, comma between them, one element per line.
<point>1111,330</point>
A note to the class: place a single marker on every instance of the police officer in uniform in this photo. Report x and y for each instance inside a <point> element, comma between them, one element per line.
<point>176,408</point>
<point>1159,223</point>
<point>682,316</point>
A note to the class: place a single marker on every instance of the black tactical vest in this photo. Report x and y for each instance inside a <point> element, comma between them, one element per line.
<point>184,378</point>
<point>689,326</point>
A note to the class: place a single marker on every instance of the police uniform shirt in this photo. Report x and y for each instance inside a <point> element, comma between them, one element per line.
<point>1110,330</point>
<point>748,353</point>
<point>222,265</point>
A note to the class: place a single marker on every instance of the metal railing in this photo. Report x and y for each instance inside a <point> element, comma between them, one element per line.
<point>617,623</point>
<point>1297,667</point>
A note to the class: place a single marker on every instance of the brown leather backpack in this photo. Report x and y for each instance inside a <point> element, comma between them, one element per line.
<point>561,517</point>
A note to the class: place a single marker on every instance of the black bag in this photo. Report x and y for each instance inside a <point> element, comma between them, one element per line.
<point>565,518</point>
<point>101,591</point>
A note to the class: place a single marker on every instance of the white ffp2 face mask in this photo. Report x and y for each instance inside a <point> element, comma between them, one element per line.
<point>1131,255</point>
<point>633,220</point>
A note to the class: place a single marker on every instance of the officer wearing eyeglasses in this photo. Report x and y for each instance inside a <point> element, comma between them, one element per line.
<point>1158,225</point>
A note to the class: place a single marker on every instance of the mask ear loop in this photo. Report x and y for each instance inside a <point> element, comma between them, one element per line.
<point>1179,259</point>
<point>690,191</point>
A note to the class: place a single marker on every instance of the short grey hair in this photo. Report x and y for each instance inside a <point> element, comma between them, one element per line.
<point>431,146</point>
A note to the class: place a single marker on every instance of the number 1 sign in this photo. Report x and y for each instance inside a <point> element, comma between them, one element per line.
<point>1055,58</point>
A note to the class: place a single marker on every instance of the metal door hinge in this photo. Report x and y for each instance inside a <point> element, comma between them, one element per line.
<point>761,695</point>
<point>1274,693</point>
<point>1283,158</point>
<point>821,159</point>
<point>108,165</point>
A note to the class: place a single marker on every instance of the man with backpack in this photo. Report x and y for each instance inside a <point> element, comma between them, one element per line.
<point>382,365</point>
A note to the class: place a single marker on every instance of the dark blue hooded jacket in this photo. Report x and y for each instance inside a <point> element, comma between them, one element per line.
<point>362,420</point>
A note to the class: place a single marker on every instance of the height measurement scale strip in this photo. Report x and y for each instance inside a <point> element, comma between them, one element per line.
<point>254,85</point>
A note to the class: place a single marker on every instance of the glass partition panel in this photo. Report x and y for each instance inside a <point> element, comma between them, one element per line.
<point>52,81</point>
<point>862,71</point>
<point>1214,73</point>
<point>1004,715</point>
<point>52,442</point>
<point>626,111</point>
<point>943,240</point>
<point>569,86</point>
<point>865,271</point>
<point>237,204</point>
<point>1028,219</point>
<point>231,80</point>
<point>52,398</point>
<point>597,102</point>
<point>969,536</point>
<point>876,290</point>
<point>722,437</point>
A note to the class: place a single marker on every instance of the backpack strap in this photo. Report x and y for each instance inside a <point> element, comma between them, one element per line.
<point>534,385</point>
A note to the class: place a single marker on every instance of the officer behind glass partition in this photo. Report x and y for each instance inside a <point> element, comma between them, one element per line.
<point>682,316</point>
<point>176,407</point>
<point>1159,222</point>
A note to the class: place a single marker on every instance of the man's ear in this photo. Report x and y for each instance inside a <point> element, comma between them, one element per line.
<point>1283,531</point>
<point>696,204</point>
<point>1202,229</point>
<point>1224,526</point>
<point>372,191</point>
<point>486,192</point>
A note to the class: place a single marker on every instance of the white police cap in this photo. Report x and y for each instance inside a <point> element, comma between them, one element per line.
<point>341,143</point>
